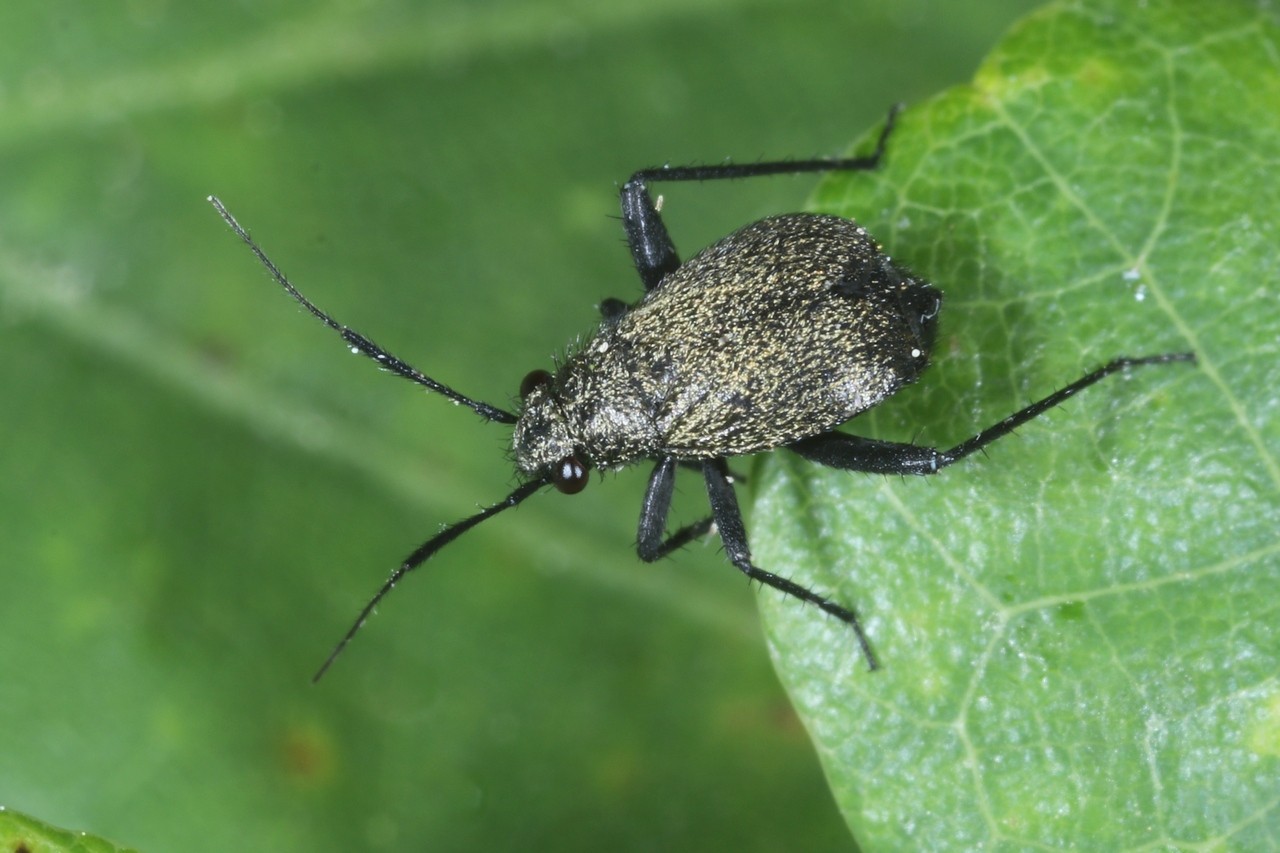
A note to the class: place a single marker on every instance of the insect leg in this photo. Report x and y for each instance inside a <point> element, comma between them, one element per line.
<point>650,542</point>
<point>728,519</point>
<point>651,248</point>
<point>855,453</point>
<point>612,310</point>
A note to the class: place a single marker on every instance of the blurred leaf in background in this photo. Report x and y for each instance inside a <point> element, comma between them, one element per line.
<point>1079,626</point>
<point>199,487</point>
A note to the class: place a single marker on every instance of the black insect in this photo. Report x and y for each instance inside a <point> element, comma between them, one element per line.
<point>772,337</point>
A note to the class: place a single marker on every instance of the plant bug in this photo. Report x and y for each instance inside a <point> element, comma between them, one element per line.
<point>772,337</point>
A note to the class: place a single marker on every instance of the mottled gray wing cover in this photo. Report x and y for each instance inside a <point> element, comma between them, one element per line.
<point>780,331</point>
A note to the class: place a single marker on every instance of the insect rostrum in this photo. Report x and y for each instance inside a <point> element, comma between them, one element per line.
<point>772,337</point>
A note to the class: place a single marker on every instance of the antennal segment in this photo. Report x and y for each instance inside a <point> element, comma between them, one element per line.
<point>425,552</point>
<point>359,342</point>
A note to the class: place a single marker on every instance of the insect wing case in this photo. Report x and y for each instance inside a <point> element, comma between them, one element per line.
<point>782,330</point>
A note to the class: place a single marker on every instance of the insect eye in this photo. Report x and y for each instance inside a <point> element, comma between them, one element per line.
<point>534,379</point>
<point>569,475</point>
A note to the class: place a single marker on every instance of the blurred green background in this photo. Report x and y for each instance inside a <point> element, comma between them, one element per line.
<point>199,488</point>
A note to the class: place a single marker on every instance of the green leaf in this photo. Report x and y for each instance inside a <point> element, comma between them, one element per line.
<point>1078,629</point>
<point>22,834</point>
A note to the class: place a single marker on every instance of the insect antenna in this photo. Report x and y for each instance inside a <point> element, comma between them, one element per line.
<point>425,552</point>
<point>358,342</point>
